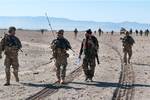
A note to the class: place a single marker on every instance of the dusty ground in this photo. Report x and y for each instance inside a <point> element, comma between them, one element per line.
<point>37,70</point>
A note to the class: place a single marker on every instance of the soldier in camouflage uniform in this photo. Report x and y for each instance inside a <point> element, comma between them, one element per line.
<point>128,42</point>
<point>10,44</point>
<point>59,47</point>
<point>90,47</point>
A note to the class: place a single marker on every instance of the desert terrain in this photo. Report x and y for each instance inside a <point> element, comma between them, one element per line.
<point>112,81</point>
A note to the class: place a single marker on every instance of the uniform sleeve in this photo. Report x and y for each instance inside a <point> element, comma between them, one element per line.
<point>53,41</point>
<point>19,44</point>
<point>68,44</point>
<point>97,43</point>
<point>1,46</point>
<point>81,49</point>
<point>133,40</point>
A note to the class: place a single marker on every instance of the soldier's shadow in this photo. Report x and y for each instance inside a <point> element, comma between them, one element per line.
<point>110,84</point>
<point>50,86</point>
<point>94,83</point>
<point>140,64</point>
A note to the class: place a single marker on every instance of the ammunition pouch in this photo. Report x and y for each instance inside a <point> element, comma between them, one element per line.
<point>11,51</point>
<point>58,52</point>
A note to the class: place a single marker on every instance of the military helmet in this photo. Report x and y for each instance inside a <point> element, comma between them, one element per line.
<point>61,31</point>
<point>89,31</point>
<point>127,33</point>
<point>11,28</point>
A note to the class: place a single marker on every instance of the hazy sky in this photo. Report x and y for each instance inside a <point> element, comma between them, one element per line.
<point>96,10</point>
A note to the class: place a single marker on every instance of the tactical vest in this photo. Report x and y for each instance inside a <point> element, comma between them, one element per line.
<point>12,42</point>
<point>89,48</point>
<point>128,41</point>
<point>59,48</point>
<point>11,45</point>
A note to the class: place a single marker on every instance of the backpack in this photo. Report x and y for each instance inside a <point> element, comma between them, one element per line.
<point>129,40</point>
<point>11,41</point>
<point>91,48</point>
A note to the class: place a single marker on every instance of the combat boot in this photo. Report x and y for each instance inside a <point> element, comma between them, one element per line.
<point>6,84</point>
<point>58,81</point>
<point>7,79</point>
<point>90,79</point>
<point>62,81</point>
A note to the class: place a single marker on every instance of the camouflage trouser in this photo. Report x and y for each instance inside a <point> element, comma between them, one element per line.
<point>61,64</point>
<point>11,61</point>
<point>129,52</point>
<point>89,67</point>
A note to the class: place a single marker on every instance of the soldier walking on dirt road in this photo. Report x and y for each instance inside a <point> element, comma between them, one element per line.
<point>128,42</point>
<point>99,31</point>
<point>59,46</point>
<point>141,32</point>
<point>90,47</point>
<point>75,32</point>
<point>136,31</point>
<point>10,44</point>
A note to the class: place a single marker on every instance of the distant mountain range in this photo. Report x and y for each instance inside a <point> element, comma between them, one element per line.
<point>27,22</point>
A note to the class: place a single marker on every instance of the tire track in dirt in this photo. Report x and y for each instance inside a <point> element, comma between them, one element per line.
<point>125,89</point>
<point>49,91</point>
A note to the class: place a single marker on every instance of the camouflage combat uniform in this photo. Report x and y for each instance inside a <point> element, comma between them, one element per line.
<point>10,44</point>
<point>59,47</point>
<point>90,50</point>
<point>127,47</point>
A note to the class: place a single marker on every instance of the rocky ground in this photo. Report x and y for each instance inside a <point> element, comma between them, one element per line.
<point>37,71</point>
